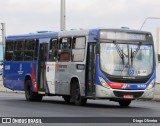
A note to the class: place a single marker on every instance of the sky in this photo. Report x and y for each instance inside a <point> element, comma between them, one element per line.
<point>30,16</point>
<point>25,16</point>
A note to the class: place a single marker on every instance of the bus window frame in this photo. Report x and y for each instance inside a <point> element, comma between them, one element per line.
<point>85,48</point>
<point>36,52</point>
<point>64,54</point>
<point>21,51</point>
<point>33,50</point>
<point>55,55</point>
<point>8,51</point>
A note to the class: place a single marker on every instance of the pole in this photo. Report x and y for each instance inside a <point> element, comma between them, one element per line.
<point>3,37</point>
<point>63,16</point>
<point>146,21</point>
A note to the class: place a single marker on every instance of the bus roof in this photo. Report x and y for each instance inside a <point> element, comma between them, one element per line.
<point>33,36</point>
<point>127,30</point>
<point>80,32</point>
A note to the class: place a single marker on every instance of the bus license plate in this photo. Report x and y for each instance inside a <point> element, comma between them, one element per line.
<point>128,97</point>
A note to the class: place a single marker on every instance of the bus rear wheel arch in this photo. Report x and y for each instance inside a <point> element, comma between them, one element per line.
<point>29,94</point>
<point>76,97</point>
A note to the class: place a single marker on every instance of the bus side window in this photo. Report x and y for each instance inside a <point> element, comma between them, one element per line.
<point>53,50</point>
<point>78,49</point>
<point>29,50</point>
<point>19,51</point>
<point>36,49</point>
<point>64,52</point>
<point>65,43</point>
<point>9,50</point>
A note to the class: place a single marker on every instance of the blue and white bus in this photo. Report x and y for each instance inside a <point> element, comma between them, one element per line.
<point>114,64</point>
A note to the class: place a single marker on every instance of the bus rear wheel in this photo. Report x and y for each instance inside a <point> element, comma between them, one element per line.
<point>29,94</point>
<point>124,103</point>
<point>76,97</point>
<point>66,99</point>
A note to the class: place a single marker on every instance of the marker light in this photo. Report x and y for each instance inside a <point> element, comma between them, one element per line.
<point>151,85</point>
<point>104,83</point>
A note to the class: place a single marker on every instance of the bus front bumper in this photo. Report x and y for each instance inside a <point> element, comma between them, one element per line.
<point>102,92</point>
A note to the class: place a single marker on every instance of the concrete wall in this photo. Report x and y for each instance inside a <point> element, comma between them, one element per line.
<point>158,73</point>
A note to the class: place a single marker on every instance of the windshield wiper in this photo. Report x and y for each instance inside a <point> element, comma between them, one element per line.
<point>133,54</point>
<point>120,52</point>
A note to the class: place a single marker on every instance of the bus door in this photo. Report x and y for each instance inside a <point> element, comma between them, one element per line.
<point>43,55</point>
<point>90,69</point>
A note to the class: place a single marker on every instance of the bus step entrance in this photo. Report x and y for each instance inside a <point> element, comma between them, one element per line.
<point>41,92</point>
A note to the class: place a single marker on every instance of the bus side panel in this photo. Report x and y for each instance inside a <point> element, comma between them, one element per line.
<point>50,76</point>
<point>65,71</point>
<point>14,74</point>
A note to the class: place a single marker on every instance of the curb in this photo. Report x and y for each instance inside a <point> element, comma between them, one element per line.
<point>156,98</point>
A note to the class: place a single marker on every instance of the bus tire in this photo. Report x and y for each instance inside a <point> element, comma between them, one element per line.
<point>124,103</point>
<point>66,99</point>
<point>76,97</point>
<point>29,94</point>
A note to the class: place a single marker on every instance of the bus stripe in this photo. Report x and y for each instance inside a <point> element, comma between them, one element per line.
<point>34,79</point>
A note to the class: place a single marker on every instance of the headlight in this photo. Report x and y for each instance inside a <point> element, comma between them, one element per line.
<point>104,83</point>
<point>150,86</point>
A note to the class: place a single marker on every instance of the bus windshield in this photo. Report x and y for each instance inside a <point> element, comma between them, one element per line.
<point>126,59</point>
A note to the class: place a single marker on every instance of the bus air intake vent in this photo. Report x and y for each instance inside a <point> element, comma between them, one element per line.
<point>121,94</point>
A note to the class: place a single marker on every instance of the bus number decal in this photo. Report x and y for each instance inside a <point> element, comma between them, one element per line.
<point>7,67</point>
<point>141,86</point>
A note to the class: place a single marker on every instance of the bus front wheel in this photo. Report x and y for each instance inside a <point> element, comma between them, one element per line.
<point>29,94</point>
<point>124,103</point>
<point>76,97</point>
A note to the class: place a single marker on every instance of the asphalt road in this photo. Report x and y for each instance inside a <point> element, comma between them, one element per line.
<point>15,105</point>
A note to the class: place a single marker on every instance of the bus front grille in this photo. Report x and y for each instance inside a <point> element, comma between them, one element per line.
<point>121,94</point>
